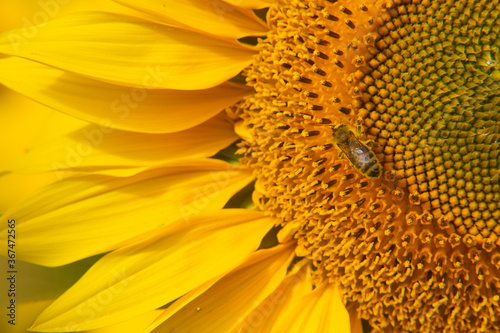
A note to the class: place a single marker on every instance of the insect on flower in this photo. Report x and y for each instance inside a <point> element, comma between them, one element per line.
<point>361,157</point>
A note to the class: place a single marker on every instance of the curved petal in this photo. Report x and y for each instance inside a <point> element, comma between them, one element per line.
<point>12,18</point>
<point>86,215</point>
<point>134,324</point>
<point>321,310</point>
<point>136,109</point>
<point>30,310</point>
<point>139,278</point>
<point>25,14</point>
<point>215,17</point>
<point>297,309</point>
<point>356,324</point>
<point>37,287</point>
<point>20,187</point>
<point>252,4</point>
<point>232,297</point>
<point>17,134</point>
<point>243,131</point>
<point>129,51</point>
<point>95,148</point>
<point>24,124</point>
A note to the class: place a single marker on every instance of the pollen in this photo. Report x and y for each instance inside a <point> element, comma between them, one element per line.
<point>418,248</point>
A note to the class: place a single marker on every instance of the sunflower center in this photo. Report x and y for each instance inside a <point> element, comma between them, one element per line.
<point>409,222</point>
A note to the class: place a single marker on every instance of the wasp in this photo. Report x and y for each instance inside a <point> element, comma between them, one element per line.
<point>359,155</point>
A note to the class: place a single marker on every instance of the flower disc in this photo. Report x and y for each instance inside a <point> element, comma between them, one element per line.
<point>416,249</point>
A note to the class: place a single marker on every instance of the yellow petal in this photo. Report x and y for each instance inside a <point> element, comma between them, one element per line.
<point>135,324</point>
<point>139,278</point>
<point>181,302</point>
<point>243,131</point>
<point>85,215</point>
<point>26,313</point>
<point>18,134</point>
<point>109,105</point>
<point>215,17</point>
<point>26,14</point>
<point>24,124</point>
<point>36,287</point>
<point>261,319</point>
<point>232,297</point>
<point>56,125</point>
<point>18,187</point>
<point>253,4</point>
<point>322,310</point>
<point>21,135</point>
<point>356,325</point>
<point>295,308</point>
<point>16,10</point>
<point>129,51</point>
<point>94,148</point>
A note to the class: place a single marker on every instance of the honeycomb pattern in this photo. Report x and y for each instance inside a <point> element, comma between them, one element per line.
<point>417,249</point>
<point>434,107</point>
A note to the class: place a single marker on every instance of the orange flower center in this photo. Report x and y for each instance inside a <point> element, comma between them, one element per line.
<point>343,88</point>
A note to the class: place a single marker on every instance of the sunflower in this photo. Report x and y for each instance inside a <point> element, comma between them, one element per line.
<point>353,172</point>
